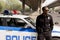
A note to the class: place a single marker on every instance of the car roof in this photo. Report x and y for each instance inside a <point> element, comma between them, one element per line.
<point>13,16</point>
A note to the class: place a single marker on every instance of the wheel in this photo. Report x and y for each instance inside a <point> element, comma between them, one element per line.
<point>55,38</point>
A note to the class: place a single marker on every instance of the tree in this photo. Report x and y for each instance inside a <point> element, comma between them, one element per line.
<point>0,7</point>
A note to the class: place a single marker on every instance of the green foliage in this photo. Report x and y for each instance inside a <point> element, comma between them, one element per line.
<point>11,5</point>
<point>0,7</point>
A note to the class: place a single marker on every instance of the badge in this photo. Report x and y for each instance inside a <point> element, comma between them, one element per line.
<point>48,17</point>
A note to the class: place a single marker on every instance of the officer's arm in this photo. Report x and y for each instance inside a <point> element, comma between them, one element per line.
<point>38,24</point>
<point>51,23</point>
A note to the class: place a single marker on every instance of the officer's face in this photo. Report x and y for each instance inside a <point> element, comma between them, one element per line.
<point>46,10</point>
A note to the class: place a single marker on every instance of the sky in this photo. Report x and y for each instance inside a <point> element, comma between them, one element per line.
<point>47,2</point>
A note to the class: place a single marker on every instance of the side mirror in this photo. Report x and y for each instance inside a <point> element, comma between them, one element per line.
<point>27,26</point>
<point>56,23</point>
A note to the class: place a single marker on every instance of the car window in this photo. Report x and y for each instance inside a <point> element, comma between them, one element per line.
<point>30,20</point>
<point>12,22</point>
<point>20,22</point>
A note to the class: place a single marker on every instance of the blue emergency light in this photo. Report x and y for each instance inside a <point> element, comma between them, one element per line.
<point>6,12</point>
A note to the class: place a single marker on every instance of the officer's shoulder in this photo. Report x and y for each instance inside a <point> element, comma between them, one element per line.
<point>39,15</point>
<point>49,15</point>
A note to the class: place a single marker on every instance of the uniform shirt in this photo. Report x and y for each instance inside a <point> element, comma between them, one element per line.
<point>44,23</point>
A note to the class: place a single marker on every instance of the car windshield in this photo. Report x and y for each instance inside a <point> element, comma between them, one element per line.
<point>30,20</point>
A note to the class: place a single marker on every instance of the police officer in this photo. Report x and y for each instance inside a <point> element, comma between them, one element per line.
<point>44,25</point>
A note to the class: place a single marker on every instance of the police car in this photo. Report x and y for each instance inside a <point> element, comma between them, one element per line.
<point>17,27</point>
<point>21,27</point>
<point>56,32</point>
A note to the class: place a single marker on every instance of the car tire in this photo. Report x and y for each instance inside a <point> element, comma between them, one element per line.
<point>55,38</point>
